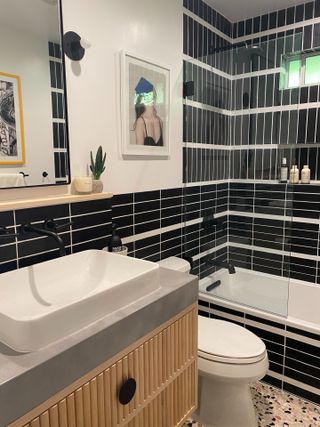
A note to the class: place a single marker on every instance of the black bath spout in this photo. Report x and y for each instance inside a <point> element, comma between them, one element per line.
<point>28,228</point>
<point>227,265</point>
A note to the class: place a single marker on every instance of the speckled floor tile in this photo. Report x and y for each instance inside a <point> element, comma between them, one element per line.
<point>278,408</point>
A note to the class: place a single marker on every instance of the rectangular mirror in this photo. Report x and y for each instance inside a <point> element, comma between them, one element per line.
<point>33,114</point>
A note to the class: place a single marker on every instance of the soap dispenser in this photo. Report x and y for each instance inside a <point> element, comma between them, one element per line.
<point>115,243</point>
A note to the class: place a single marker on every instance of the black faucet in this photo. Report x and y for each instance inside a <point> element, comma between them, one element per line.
<point>6,234</point>
<point>49,229</point>
<point>228,265</point>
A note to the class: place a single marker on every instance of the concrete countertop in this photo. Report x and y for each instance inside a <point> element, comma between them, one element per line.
<point>27,380</point>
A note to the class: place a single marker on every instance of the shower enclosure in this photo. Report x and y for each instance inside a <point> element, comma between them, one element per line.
<point>244,117</point>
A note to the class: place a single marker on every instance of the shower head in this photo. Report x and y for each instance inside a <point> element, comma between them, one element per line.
<point>255,51</point>
<point>248,53</point>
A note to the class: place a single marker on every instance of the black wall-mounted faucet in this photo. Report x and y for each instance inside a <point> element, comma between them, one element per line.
<point>49,229</point>
<point>6,234</point>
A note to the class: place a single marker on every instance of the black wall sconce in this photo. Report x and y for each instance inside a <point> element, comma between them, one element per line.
<point>74,46</point>
<point>188,89</point>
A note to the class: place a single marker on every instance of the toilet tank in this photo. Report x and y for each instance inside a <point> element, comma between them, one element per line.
<point>175,263</point>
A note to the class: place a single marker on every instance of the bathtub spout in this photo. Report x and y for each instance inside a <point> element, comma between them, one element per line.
<point>227,265</point>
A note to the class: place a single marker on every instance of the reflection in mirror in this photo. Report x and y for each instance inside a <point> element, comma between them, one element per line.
<point>33,125</point>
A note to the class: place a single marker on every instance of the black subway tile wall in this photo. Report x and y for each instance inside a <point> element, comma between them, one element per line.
<point>90,229</point>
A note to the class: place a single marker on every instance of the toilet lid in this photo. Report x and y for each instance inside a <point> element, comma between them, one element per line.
<point>227,342</point>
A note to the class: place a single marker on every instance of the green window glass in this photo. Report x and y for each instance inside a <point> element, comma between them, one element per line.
<point>312,70</point>
<point>294,73</point>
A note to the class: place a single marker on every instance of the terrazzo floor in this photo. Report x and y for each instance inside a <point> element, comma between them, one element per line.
<point>278,408</point>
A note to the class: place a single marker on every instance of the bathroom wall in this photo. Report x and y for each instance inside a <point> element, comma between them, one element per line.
<point>151,29</point>
<point>94,90</point>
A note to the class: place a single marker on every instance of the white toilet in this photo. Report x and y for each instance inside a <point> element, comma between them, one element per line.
<point>230,357</point>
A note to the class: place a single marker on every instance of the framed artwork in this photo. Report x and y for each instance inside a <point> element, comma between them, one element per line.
<point>12,151</point>
<point>145,100</point>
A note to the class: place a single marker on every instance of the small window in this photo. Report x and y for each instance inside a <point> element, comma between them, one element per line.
<point>312,71</point>
<point>300,70</point>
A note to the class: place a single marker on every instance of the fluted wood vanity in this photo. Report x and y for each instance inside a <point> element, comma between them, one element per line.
<point>162,364</point>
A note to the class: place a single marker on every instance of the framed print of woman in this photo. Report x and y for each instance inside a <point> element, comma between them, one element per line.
<point>145,107</point>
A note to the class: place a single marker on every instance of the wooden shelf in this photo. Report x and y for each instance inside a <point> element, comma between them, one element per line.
<point>52,200</point>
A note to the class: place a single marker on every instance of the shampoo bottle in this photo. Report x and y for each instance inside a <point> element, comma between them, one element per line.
<point>305,175</point>
<point>294,175</point>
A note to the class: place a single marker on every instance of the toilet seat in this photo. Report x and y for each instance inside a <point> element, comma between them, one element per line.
<point>226,342</point>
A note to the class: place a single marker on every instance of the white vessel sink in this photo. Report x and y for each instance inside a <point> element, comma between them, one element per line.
<point>47,301</point>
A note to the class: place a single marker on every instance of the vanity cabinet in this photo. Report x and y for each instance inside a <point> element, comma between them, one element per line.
<point>162,366</point>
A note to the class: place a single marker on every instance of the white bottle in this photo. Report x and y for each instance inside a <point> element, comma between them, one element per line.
<point>294,175</point>
<point>305,175</point>
<point>284,171</point>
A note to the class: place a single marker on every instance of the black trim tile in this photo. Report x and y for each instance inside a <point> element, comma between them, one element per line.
<point>91,220</point>
<point>24,216</point>
<point>146,196</point>
<point>305,394</point>
<point>7,253</point>
<point>89,207</point>
<point>91,233</point>
<point>8,266</point>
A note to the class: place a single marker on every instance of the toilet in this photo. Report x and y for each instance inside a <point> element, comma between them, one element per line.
<point>230,357</point>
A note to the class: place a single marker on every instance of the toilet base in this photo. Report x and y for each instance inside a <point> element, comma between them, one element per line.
<point>223,404</point>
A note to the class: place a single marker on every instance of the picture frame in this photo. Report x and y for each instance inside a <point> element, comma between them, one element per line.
<point>145,107</point>
<point>12,146</point>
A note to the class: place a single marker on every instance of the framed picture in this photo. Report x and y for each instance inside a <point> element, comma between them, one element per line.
<point>145,100</point>
<point>12,150</point>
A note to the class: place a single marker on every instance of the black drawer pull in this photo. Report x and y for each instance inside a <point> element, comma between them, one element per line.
<point>127,391</point>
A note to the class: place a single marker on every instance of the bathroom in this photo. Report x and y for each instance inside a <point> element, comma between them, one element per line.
<point>234,89</point>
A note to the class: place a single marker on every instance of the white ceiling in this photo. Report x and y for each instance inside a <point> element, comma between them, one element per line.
<point>38,17</point>
<point>237,10</point>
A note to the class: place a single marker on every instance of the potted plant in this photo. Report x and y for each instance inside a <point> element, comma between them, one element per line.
<point>97,167</point>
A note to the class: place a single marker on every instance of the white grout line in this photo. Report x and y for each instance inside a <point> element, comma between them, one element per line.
<point>228,76</point>
<point>250,111</point>
<point>208,107</point>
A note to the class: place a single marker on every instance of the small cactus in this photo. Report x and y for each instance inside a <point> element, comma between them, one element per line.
<point>97,167</point>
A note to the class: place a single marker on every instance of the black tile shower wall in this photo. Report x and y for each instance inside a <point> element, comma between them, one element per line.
<point>208,14</point>
<point>275,229</point>
<point>275,123</point>
<point>249,111</point>
<point>294,354</point>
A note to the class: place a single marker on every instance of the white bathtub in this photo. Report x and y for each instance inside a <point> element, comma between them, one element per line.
<point>297,301</point>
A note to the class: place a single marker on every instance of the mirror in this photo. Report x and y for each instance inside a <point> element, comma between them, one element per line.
<point>33,115</point>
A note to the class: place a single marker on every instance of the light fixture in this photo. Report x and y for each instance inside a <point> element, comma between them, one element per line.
<point>75,46</point>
